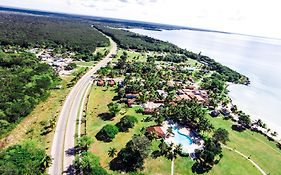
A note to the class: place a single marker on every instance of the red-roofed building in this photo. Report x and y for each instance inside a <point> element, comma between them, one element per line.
<point>157,130</point>
<point>148,111</point>
<point>131,102</point>
<point>111,83</point>
<point>199,98</point>
<point>100,83</point>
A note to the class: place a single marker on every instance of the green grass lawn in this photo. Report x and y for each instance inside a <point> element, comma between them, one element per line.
<point>231,163</point>
<point>99,98</point>
<point>83,63</point>
<point>262,151</point>
<point>132,56</point>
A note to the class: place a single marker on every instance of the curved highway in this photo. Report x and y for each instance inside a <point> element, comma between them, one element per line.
<point>62,150</point>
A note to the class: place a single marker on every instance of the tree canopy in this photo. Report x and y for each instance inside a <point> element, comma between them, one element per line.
<point>25,158</point>
<point>25,81</point>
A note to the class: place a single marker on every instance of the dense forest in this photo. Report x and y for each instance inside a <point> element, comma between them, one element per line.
<point>24,158</point>
<point>24,82</point>
<point>27,30</point>
<point>130,40</point>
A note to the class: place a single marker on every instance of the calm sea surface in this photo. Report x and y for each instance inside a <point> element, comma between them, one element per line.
<point>257,58</point>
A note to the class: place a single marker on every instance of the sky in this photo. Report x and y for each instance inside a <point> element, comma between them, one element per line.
<point>253,17</point>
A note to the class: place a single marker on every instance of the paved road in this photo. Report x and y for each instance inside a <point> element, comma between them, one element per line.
<point>62,150</point>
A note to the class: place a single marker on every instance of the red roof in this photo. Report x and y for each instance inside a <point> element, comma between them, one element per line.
<point>131,102</point>
<point>111,82</point>
<point>100,83</point>
<point>148,111</point>
<point>157,130</point>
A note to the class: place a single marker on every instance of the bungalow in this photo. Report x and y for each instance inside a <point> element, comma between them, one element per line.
<point>199,98</point>
<point>148,111</point>
<point>111,83</point>
<point>100,83</point>
<point>191,87</point>
<point>157,130</point>
<point>131,96</point>
<point>152,105</point>
<point>130,102</point>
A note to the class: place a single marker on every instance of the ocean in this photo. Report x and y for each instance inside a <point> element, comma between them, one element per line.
<point>256,57</point>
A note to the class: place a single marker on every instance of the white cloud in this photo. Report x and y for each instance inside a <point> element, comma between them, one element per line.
<point>256,17</point>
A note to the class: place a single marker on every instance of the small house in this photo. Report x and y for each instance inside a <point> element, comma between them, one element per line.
<point>130,102</point>
<point>100,83</point>
<point>111,83</point>
<point>157,130</point>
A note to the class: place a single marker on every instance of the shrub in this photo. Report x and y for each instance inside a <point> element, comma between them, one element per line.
<point>127,122</point>
<point>107,133</point>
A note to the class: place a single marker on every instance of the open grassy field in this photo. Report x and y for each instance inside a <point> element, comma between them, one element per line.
<point>132,55</point>
<point>262,151</point>
<point>231,162</point>
<point>99,98</point>
<point>85,64</point>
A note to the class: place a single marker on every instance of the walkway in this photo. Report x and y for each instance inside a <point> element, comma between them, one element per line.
<point>246,157</point>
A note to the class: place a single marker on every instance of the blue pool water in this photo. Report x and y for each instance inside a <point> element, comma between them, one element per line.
<point>181,138</point>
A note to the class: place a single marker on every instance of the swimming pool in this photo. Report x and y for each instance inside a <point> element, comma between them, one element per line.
<point>181,138</point>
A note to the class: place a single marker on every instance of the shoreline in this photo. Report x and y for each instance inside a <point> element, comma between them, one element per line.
<point>253,115</point>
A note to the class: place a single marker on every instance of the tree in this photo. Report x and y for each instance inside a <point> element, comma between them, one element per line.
<point>85,141</point>
<point>70,66</point>
<point>244,120</point>
<point>25,158</point>
<point>126,122</point>
<point>88,163</point>
<point>207,157</point>
<point>112,152</point>
<point>132,156</point>
<point>113,108</point>
<point>107,133</point>
<point>221,135</point>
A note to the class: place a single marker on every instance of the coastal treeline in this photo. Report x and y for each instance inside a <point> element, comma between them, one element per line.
<point>24,81</point>
<point>129,40</point>
<point>49,32</point>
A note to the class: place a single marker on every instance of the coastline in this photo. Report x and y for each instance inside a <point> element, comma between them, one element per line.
<point>236,88</point>
<point>260,98</point>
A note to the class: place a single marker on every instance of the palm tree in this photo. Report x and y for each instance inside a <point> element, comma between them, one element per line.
<point>170,131</point>
<point>46,162</point>
<point>177,150</point>
<point>85,141</point>
<point>112,152</point>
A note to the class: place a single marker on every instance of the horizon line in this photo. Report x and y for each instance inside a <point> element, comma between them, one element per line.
<point>179,27</point>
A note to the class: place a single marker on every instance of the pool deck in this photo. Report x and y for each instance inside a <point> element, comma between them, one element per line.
<point>197,143</point>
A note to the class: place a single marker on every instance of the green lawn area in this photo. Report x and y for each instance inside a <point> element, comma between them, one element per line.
<point>102,50</point>
<point>99,98</point>
<point>83,63</point>
<point>231,163</point>
<point>132,56</point>
<point>262,151</point>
